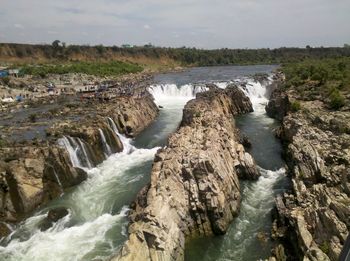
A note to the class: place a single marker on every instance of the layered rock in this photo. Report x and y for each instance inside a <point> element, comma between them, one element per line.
<point>315,216</point>
<point>194,188</point>
<point>36,171</point>
<point>30,177</point>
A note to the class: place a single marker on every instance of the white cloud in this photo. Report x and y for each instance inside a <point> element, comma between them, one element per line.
<point>212,24</point>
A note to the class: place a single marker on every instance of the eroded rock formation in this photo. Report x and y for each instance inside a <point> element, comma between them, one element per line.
<point>194,188</point>
<point>315,216</point>
<point>36,171</point>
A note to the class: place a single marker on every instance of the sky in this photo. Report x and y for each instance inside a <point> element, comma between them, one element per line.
<point>205,24</point>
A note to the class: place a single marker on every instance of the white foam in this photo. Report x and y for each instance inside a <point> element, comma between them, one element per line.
<point>107,148</point>
<point>127,147</point>
<point>88,204</point>
<point>60,242</point>
<point>257,95</point>
<point>171,92</point>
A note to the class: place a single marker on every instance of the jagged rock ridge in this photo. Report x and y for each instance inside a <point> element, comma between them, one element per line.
<point>194,188</point>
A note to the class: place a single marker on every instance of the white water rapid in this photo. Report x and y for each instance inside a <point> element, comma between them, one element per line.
<point>96,225</point>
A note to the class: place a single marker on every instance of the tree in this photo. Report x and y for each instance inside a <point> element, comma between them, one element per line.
<point>56,44</point>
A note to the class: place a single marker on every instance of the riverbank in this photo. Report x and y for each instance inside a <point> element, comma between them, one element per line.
<point>313,218</point>
<point>95,226</point>
<point>36,162</point>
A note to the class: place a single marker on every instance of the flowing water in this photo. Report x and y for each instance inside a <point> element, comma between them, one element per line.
<point>96,225</point>
<point>248,235</point>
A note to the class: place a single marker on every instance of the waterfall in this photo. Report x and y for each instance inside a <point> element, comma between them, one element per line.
<point>71,151</point>
<point>56,177</point>
<point>257,94</point>
<point>77,152</point>
<point>82,147</point>
<point>171,91</point>
<point>58,180</point>
<point>127,147</point>
<point>106,147</point>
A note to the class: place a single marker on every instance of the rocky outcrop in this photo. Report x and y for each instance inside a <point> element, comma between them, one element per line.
<point>279,103</point>
<point>315,216</point>
<point>194,188</point>
<point>52,217</point>
<point>30,177</point>
<point>35,171</point>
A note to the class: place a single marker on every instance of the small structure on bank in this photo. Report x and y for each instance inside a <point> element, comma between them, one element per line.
<point>13,72</point>
<point>3,72</point>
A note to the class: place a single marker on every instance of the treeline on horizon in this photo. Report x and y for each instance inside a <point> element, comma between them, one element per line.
<point>184,56</point>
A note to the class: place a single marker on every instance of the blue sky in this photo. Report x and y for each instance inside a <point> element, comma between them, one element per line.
<point>193,23</point>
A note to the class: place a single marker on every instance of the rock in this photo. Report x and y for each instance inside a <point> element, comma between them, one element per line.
<point>316,212</point>
<point>34,172</point>
<point>194,188</point>
<point>278,105</point>
<point>4,230</point>
<point>52,217</point>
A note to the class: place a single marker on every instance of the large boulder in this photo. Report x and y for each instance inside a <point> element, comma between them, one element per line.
<point>52,217</point>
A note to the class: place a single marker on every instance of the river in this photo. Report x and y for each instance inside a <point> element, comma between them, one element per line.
<point>96,226</point>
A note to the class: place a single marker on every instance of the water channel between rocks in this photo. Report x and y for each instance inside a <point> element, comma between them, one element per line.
<point>96,226</point>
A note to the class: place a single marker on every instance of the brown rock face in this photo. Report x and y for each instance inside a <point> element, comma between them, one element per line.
<point>53,216</point>
<point>29,179</point>
<point>194,189</point>
<point>316,215</point>
<point>33,173</point>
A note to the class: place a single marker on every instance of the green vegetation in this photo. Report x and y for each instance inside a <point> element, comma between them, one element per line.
<point>337,100</point>
<point>114,68</point>
<point>183,56</point>
<point>325,247</point>
<point>324,79</point>
<point>295,106</point>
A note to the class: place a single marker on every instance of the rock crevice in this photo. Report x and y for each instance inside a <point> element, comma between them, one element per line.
<point>315,214</point>
<point>194,188</point>
<point>35,172</point>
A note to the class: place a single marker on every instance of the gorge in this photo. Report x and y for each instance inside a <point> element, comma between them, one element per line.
<point>180,178</point>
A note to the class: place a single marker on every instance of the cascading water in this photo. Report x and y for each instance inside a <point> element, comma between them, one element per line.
<point>168,92</point>
<point>106,147</point>
<point>77,152</point>
<point>96,225</point>
<point>257,93</point>
<point>127,147</point>
<point>241,241</point>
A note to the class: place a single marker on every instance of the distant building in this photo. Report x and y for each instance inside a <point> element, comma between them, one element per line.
<point>13,72</point>
<point>3,72</point>
<point>127,46</point>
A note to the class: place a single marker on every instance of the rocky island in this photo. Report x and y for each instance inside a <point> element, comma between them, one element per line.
<point>194,187</point>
